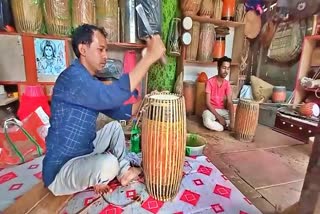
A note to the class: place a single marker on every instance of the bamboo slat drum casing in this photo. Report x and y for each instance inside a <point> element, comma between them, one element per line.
<point>163,144</point>
<point>57,16</point>
<point>83,12</point>
<point>200,101</point>
<point>192,49</point>
<point>27,15</point>
<point>246,120</point>
<point>207,38</point>
<point>107,17</point>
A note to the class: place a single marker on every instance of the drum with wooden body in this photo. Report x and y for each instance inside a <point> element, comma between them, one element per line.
<point>189,92</point>
<point>192,49</point>
<point>27,16</point>
<point>57,16</point>
<point>206,42</point>
<point>246,120</point>
<point>163,144</point>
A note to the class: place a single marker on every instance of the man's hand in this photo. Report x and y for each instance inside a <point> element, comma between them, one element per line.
<point>155,49</point>
<point>102,188</point>
<point>231,126</point>
<point>221,120</point>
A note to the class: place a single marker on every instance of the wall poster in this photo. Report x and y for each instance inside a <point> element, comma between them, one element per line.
<point>50,57</point>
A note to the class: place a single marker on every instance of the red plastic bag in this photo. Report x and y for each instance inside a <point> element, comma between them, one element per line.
<point>29,104</point>
<point>23,141</point>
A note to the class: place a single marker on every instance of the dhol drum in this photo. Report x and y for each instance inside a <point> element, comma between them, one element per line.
<point>27,16</point>
<point>309,109</point>
<point>189,92</point>
<point>206,42</point>
<point>57,16</point>
<point>279,94</point>
<point>83,12</point>
<point>246,120</point>
<point>163,144</point>
<point>192,49</point>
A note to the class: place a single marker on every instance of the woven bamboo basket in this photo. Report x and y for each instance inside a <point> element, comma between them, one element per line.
<point>27,16</point>
<point>163,144</point>
<point>57,16</point>
<point>83,12</point>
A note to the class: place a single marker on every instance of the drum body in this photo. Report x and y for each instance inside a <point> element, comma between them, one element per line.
<point>107,17</point>
<point>246,120</point>
<point>57,16</point>
<point>189,92</point>
<point>206,42</point>
<point>83,12</point>
<point>279,94</point>
<point>163,144</point>
<point>190,7</point>
<point>27,16</point>
<point>192,49</point>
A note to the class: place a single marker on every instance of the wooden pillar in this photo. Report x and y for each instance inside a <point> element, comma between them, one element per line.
<point>310,195</point>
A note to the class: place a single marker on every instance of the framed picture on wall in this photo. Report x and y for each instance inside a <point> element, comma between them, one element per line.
<point>50,58</point>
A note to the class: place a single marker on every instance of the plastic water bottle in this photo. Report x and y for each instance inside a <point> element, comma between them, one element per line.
<point>135,139</point>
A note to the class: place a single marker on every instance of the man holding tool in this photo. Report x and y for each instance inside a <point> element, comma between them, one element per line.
<point>77,157</point>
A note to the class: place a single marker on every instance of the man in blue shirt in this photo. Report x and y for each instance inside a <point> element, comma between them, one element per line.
<point>77,156</point>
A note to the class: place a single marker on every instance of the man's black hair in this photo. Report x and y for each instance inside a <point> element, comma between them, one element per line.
<point>223,59</point>
<point>83,35</point>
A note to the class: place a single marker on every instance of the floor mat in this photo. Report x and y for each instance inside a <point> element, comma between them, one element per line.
<point>204,189</point>
<point>16,180</point>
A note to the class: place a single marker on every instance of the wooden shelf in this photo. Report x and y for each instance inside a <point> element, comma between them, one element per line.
<point>200,63</point>
<point>216,22</point>
<point>110,44</point>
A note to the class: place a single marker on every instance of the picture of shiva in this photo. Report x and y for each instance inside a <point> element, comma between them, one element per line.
<point>50,56</point>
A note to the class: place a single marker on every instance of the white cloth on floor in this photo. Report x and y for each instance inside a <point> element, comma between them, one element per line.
<point>210,120</point>
<point>107,161</point>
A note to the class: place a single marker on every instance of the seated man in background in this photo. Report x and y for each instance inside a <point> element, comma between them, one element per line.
<point>219,113</point>
<point>77,157</point>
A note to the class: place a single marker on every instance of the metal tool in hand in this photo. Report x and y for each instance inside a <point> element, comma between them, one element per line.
<point>146,24</point>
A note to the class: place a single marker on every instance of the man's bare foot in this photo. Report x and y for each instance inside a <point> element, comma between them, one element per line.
<point>131,174</point>
<point>102,188</point>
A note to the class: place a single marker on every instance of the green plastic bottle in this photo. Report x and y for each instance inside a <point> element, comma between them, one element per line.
<point>135,139</point>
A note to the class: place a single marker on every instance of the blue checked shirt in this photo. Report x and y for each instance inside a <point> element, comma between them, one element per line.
<point>77,100</point>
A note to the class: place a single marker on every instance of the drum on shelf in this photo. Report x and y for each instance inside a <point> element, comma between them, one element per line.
<point>163,144</point>
<point>192,49</point>
<point>27,16</point>
<point>206,42</point>
<point>246,120</point>
<point>107,17</point>
<point>83,12</point>
<point>279,94</point>
<point>57,16</point>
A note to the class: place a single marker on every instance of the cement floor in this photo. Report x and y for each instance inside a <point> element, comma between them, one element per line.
<point>269,171</point>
